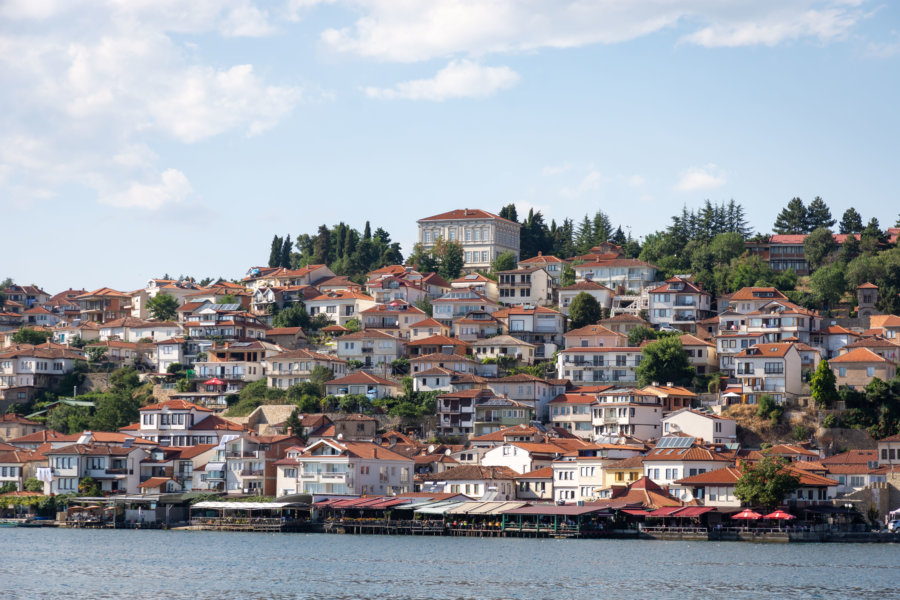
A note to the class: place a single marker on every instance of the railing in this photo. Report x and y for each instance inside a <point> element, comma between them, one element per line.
<point>252,473</point>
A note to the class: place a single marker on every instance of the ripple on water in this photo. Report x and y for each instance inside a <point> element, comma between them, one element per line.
<point>156,565</point>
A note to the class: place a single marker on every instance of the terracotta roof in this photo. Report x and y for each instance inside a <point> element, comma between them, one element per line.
<point>859,355</point>
<point>765,351</point>
<point>368,333</point>
<point>429,323</point>
<point>694,453</point>
<point>176,405</point>
<point>851,457</point>
<point>747,293</point>
<point>362,378</point>
<point>595,329</point>
<point>545,473</point>
<point>466,213</point>
<point>368,450</point>
<point>15,418</point>
<point>624,318</point>
<point>723,476</point>
<point>691,340</point>
<point>541,258</point>
<point>154,482</point>
<point>284,331</point>
<point>441,357</point>
<point>473,473</point>
<point>867,286</point>
<point>302,353</point>
<point>437,340</point>
<point>632,462</point>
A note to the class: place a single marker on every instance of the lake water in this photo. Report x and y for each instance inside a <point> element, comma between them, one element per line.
<point>181,565</point>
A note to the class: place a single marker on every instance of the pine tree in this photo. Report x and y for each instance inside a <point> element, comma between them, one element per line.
<point>792,218</point>
<point>367,233</point>
<point>285,258</point>
<point>322,247</point>
<point>818,215</point>
<point>509,212</point>
<point>275,253</point>
<point>601,229</point>
<point>618,238</point>
<point>736,219</point>
<point>851,222</point>
<point>584,238</point>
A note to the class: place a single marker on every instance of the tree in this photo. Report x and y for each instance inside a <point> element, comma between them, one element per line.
<point>509,212</point>
<point>851,222</point>
<point>292,316</point>
<point>504,262</point>
<point>726,246</point>
<point>767,408</point>
<point>293,424</point>
<point>818,247</point>
<point>162,307</point>
<point>639,334</point>
<point>89,487</point>
<point>8,486</point>
<point>95,353</point>
<point>69,419</point>
<point>285,255</point>
<point>275,252</point>
<point>452,261</point>
<point>115,410</point>
<point>584,310</point>
<point>665,360</point>
<point>850,248</point>
<point>424,304</point>
<point>792,218</point>
<point>818,215</point>
<point>31,336</point>
<point>322,246</point>
<point>765,484</point>
<point>33,484</point>
<point>823,387</point>
<point>827,284</point>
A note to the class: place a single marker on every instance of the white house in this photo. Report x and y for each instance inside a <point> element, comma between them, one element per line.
<point>702,425</point>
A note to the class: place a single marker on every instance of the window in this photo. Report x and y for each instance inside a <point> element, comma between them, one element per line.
<point>842,371</point>
<point>870,371</point>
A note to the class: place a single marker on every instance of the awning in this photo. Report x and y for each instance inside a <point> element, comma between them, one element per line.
<point>693,511</point>
<point>568,510</point>
<point>227,438</point>
<point>438,508</point>
<point>244,505</point>
<point>665,511</point>
<point>636,512</point>
<point>214,467</point>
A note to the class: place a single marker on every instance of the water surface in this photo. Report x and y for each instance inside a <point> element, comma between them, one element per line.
<point>180,565</point>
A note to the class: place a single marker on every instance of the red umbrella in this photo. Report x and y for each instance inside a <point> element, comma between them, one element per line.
<point>747,514</point>
<point>780,515</point>
<point>214,381</point>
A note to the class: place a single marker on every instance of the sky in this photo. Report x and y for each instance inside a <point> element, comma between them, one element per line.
<point>144,137</point>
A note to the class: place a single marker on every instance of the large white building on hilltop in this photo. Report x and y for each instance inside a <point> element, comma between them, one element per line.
<point>484,236</point>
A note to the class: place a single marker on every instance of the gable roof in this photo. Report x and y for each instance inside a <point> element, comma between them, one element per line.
<point>859,355</point>
<point>362,378</point>
<point>466,213</point>
<point>766,351</point>
<point>473,473</point>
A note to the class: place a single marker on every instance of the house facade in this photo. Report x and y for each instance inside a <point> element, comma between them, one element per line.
<point>484,236</point>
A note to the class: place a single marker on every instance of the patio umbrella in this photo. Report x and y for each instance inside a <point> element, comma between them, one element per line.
<point>214,381</point>
<point>747,515</point>
<point>780,515</point>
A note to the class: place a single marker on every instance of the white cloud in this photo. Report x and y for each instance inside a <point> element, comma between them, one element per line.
<point>591,182</point>
<point>706,177</point>
<point>635,181</point>
<point>552,170</point>
<point>459,79</point>
<point>96,82</point>
<point>173,188</point>
<point>416,30</point>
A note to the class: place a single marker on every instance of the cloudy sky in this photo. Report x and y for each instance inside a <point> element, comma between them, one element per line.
<point>139,137</point>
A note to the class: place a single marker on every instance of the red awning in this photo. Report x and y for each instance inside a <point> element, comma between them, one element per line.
<point>636,512</point>
<point>665,511</point>
<point>693,511</point>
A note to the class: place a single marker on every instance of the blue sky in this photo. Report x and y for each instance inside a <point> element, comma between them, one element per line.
<point>144,137</point>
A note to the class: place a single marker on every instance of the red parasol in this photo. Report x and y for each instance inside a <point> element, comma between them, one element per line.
<point>747,514</point>
<point>780,515</point>
<point>214,381</point>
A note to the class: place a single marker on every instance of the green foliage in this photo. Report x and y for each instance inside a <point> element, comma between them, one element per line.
<point>162,307</point>
<point>830,422</point>
<point>641,333</point>
<point>568,274</point>
<point>851,222</point>
<point>818,216</point>
<point>792,218</point>
<point>800,433</point>
<point>292,316</point>
<point>292,423</point>
<point>665,360</point>
<point>424,304</point>
<point>505,262</point>
<point>827,284</point>
<point>228,299</point>
<point>9,486</point>
<point>451,258</point>
<point>823,386</point>
<point>33,484</point>
<point>69,419</point>
<point>819,247</point>
<point>766,483</point>
<point>31,336</point>
<point>400,366</point>
<point>95,353</point>
<point>352,325</point>
<point>345,250</point>
<point>175,369</point>
<point>768,409</point>
<point>88,486</point>
<point>584,310</point>
<point>253,395</point>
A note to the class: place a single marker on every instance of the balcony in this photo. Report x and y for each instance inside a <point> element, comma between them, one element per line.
<point>333,476</point>
<point>252,473</point>
<point>610,418</point>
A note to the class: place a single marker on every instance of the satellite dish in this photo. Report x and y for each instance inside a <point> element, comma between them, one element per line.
<point>431,449</point>
<point>447,452</point>
<point>340,436</point>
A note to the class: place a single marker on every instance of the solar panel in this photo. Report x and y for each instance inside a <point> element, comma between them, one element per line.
<point>675,442</point>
